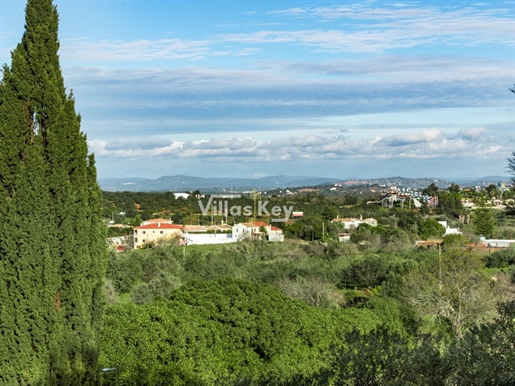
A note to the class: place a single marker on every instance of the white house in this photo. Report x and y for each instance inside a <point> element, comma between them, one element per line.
<point>248,230</point>
<point>448,230</point>
<point>276,234</point>
<point>353,223</point>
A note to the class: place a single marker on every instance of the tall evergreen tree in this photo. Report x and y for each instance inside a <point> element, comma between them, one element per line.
<point>52,240</point>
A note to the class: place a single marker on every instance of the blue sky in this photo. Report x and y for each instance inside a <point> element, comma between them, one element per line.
<point>254,88</point>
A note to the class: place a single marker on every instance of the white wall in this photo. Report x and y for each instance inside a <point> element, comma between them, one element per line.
<point>209,238</point>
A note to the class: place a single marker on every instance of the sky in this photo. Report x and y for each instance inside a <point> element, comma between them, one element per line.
<point>254,88</point>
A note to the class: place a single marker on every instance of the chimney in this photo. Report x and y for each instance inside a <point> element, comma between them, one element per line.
<point>361,217</point>
<point>159,225</point>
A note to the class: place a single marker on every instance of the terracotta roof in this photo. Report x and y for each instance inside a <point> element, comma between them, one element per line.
<point>195,228</point>
<point>160,226</point>
<point>161,220</point>
<point>341,219</point>
<point>118,226</point>
<point>219,227</point>
<point>254,224</point>
<point>276,229</point>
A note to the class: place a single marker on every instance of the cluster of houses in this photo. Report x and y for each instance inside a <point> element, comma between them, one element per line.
<point>158,230</point>
<point>161,229</point>
<point>350,223</point>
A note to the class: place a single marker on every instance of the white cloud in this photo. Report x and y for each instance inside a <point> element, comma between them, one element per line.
<point>424,136</point>
<point>379,28</point>
<point>289,12</point>
<point>368,28</point>
<point>472,134</point>
<point>421,144</point>
<point>83,50</point>
<point>278,97</point>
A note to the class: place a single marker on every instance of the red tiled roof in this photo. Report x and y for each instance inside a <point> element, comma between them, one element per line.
<point>162,220</point>
<point>276,228</point>
<point>160,226</point>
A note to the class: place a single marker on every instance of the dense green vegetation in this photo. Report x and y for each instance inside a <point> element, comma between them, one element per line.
<point>378,309</point>
<point>52,250</point>
<point>290,314</point>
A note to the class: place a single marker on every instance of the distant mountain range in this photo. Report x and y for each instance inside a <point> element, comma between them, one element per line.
<point>180,183</point>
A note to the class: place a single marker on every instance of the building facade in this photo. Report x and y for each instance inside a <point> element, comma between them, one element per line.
<point>153,231</point>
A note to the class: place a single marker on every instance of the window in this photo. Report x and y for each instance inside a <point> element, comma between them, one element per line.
<point>143,232</point>
<point>135,239</point>
<point>161,232</point>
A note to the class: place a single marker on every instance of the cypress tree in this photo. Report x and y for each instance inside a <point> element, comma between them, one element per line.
<point>52,245</point>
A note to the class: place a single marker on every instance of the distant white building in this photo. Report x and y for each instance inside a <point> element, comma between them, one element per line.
<point>249,230</point>
<point>212,234</point>
<point>258,229</point>
<point>449,230</point>
<point>353,223</point>
<point>343,237</point>
<point>179,195</point>
<point>497,243</point>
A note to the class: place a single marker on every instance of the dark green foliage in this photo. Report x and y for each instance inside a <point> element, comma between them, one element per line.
<point>368,272</point>
<point>160,285</point>
<point>396,276</point>
<point>124,269</point>
<point>53,250</point>
<point>484,221</point>
<point>500,259</point>
<point>430,228</point>
<point>454,188</point>
<point>329,213</point>
<point>450,203</point>
<point>431,190</point>
<point>381,357</point>
<point>454,240</point>
<point>29,279</point>
<point>226,332</point>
